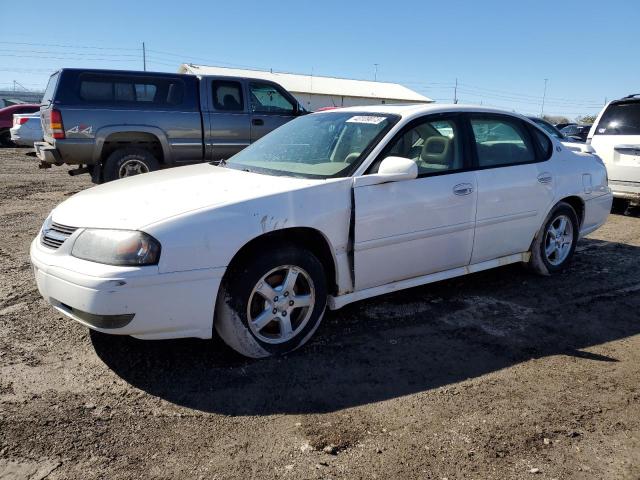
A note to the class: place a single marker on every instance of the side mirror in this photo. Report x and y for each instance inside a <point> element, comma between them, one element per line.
<point>392,169</point>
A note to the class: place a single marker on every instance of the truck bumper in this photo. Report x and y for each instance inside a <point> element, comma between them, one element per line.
<point>47,153</point>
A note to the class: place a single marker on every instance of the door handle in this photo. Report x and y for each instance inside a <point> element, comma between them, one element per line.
<point>257,121</point>
<point>545,177</point>
<point>463,189</point>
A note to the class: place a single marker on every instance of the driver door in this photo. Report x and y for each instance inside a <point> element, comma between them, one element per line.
<point>416,227</point>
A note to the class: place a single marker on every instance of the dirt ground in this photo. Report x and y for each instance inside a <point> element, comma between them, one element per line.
<point>497,375</point>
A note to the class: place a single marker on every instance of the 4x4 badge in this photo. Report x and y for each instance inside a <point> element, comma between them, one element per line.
<point>85,130</point>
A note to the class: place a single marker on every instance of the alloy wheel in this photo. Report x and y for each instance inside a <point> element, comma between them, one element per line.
<point>281,303</point>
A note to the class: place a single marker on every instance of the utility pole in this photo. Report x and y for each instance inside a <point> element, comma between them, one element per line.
<point>544,95</point>
<point>375,72</point>
<point>144,57</point>
<point>455,92</point>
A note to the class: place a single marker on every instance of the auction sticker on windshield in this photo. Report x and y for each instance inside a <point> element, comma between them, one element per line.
<point>373,120</point>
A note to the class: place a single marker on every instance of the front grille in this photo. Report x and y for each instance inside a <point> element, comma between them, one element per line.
<point>55,235</point>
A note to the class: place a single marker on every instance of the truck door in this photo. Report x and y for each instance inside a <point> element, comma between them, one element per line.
<point>271,107</point>
<point>226,119</point>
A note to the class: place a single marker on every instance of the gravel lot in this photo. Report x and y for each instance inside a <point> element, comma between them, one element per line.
<point>497,375</point>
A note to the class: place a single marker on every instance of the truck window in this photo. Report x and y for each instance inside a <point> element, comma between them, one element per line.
<point>266,99</point>
<point>158,91</point>
<point>227,96</point>
<point>51,87</point>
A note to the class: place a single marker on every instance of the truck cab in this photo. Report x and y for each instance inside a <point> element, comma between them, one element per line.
<point>114,124</point>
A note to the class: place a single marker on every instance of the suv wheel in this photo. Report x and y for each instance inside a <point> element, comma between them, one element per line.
<point>127,162</point>
<point>272,303</point>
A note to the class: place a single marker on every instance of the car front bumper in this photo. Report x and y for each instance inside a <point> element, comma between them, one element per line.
<point>136,301</point>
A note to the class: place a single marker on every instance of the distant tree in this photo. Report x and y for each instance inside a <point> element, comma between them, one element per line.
<point>555,119</point>
<point>586,119</point>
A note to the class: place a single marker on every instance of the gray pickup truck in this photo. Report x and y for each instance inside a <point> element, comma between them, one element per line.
<point>114,124</point>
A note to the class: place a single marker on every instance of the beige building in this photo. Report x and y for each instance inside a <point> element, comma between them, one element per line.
<point>314,92</point>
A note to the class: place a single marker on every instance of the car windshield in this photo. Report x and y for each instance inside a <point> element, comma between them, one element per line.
<point>320,145</point>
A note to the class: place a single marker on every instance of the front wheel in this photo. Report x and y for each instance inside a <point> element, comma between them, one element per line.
<point>556,241</point>
<point>272,303</point>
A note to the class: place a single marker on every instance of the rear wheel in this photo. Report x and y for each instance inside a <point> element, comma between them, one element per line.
<point>127,162</point>
<point>272,303</point>
<point>556,241</point>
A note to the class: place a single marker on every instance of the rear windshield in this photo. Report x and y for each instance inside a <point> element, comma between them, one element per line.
<point>47,98</point>
<point>620,119</point>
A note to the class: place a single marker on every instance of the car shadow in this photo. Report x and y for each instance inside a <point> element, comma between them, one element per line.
<point>403,343</point>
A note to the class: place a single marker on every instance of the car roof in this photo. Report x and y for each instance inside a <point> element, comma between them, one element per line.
<point>412,110</point>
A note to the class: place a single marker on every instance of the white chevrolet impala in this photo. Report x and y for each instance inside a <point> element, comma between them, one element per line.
<point>331,208</point>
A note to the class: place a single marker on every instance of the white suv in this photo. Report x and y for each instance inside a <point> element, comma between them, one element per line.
<point>615,136</point>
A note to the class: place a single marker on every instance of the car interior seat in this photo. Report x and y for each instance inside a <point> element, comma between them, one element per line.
<point>437,154</point>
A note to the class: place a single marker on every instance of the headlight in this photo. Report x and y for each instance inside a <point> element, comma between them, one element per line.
<point>117,247</point>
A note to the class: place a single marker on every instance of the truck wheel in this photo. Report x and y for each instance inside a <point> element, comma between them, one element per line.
<point>272,303</point>
<point>556,241</point>
<point>127,162</point>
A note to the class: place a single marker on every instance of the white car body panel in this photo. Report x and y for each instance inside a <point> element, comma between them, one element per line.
<point>397,224</point>
<point>382,236</point>
<point>27,133</point>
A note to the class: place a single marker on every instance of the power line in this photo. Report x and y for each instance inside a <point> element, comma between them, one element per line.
<point>66,46</point>
<point>49,52</point>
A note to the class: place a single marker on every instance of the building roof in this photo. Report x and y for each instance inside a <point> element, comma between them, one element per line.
<point>314,84</point>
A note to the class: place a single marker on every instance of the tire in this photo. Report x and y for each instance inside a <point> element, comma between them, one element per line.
<point>127,162</point>
<point>619,206</point>
<point>254,305</point>
<point>550,252</point>
<point>5,139</point>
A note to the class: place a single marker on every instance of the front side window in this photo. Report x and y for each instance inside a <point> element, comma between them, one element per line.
<point>227,96</point>
<point>266,99</point>
<point>320,145</point>
<point>435,146</point>
<point>501,142</point>
<point>620,119</point>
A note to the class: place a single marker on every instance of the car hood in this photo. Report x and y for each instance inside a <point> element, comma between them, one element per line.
<point>135,202</point>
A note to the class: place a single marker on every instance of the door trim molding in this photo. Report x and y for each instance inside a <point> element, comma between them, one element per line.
<point>408,237</point>
<point>337,302</point>
<point>506,218</point>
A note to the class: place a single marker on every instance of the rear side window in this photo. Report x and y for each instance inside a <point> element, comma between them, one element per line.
<point>158,91</point>
<point>620,119</point>
<point>51,88</point>
<point>227,96</point>
<point>501,142</point>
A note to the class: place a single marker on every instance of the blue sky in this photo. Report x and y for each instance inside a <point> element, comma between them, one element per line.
<point>500,51</point>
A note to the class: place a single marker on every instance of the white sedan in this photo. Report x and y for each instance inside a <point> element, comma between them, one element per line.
<point>331,208</point>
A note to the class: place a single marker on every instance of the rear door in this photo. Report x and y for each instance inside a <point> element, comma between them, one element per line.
<point>616,139</point>
<point>515,186</point>
<point>227,119</point>
<point>271,107</point>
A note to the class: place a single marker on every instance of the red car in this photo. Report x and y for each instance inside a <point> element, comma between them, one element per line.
<point>6,119</point>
